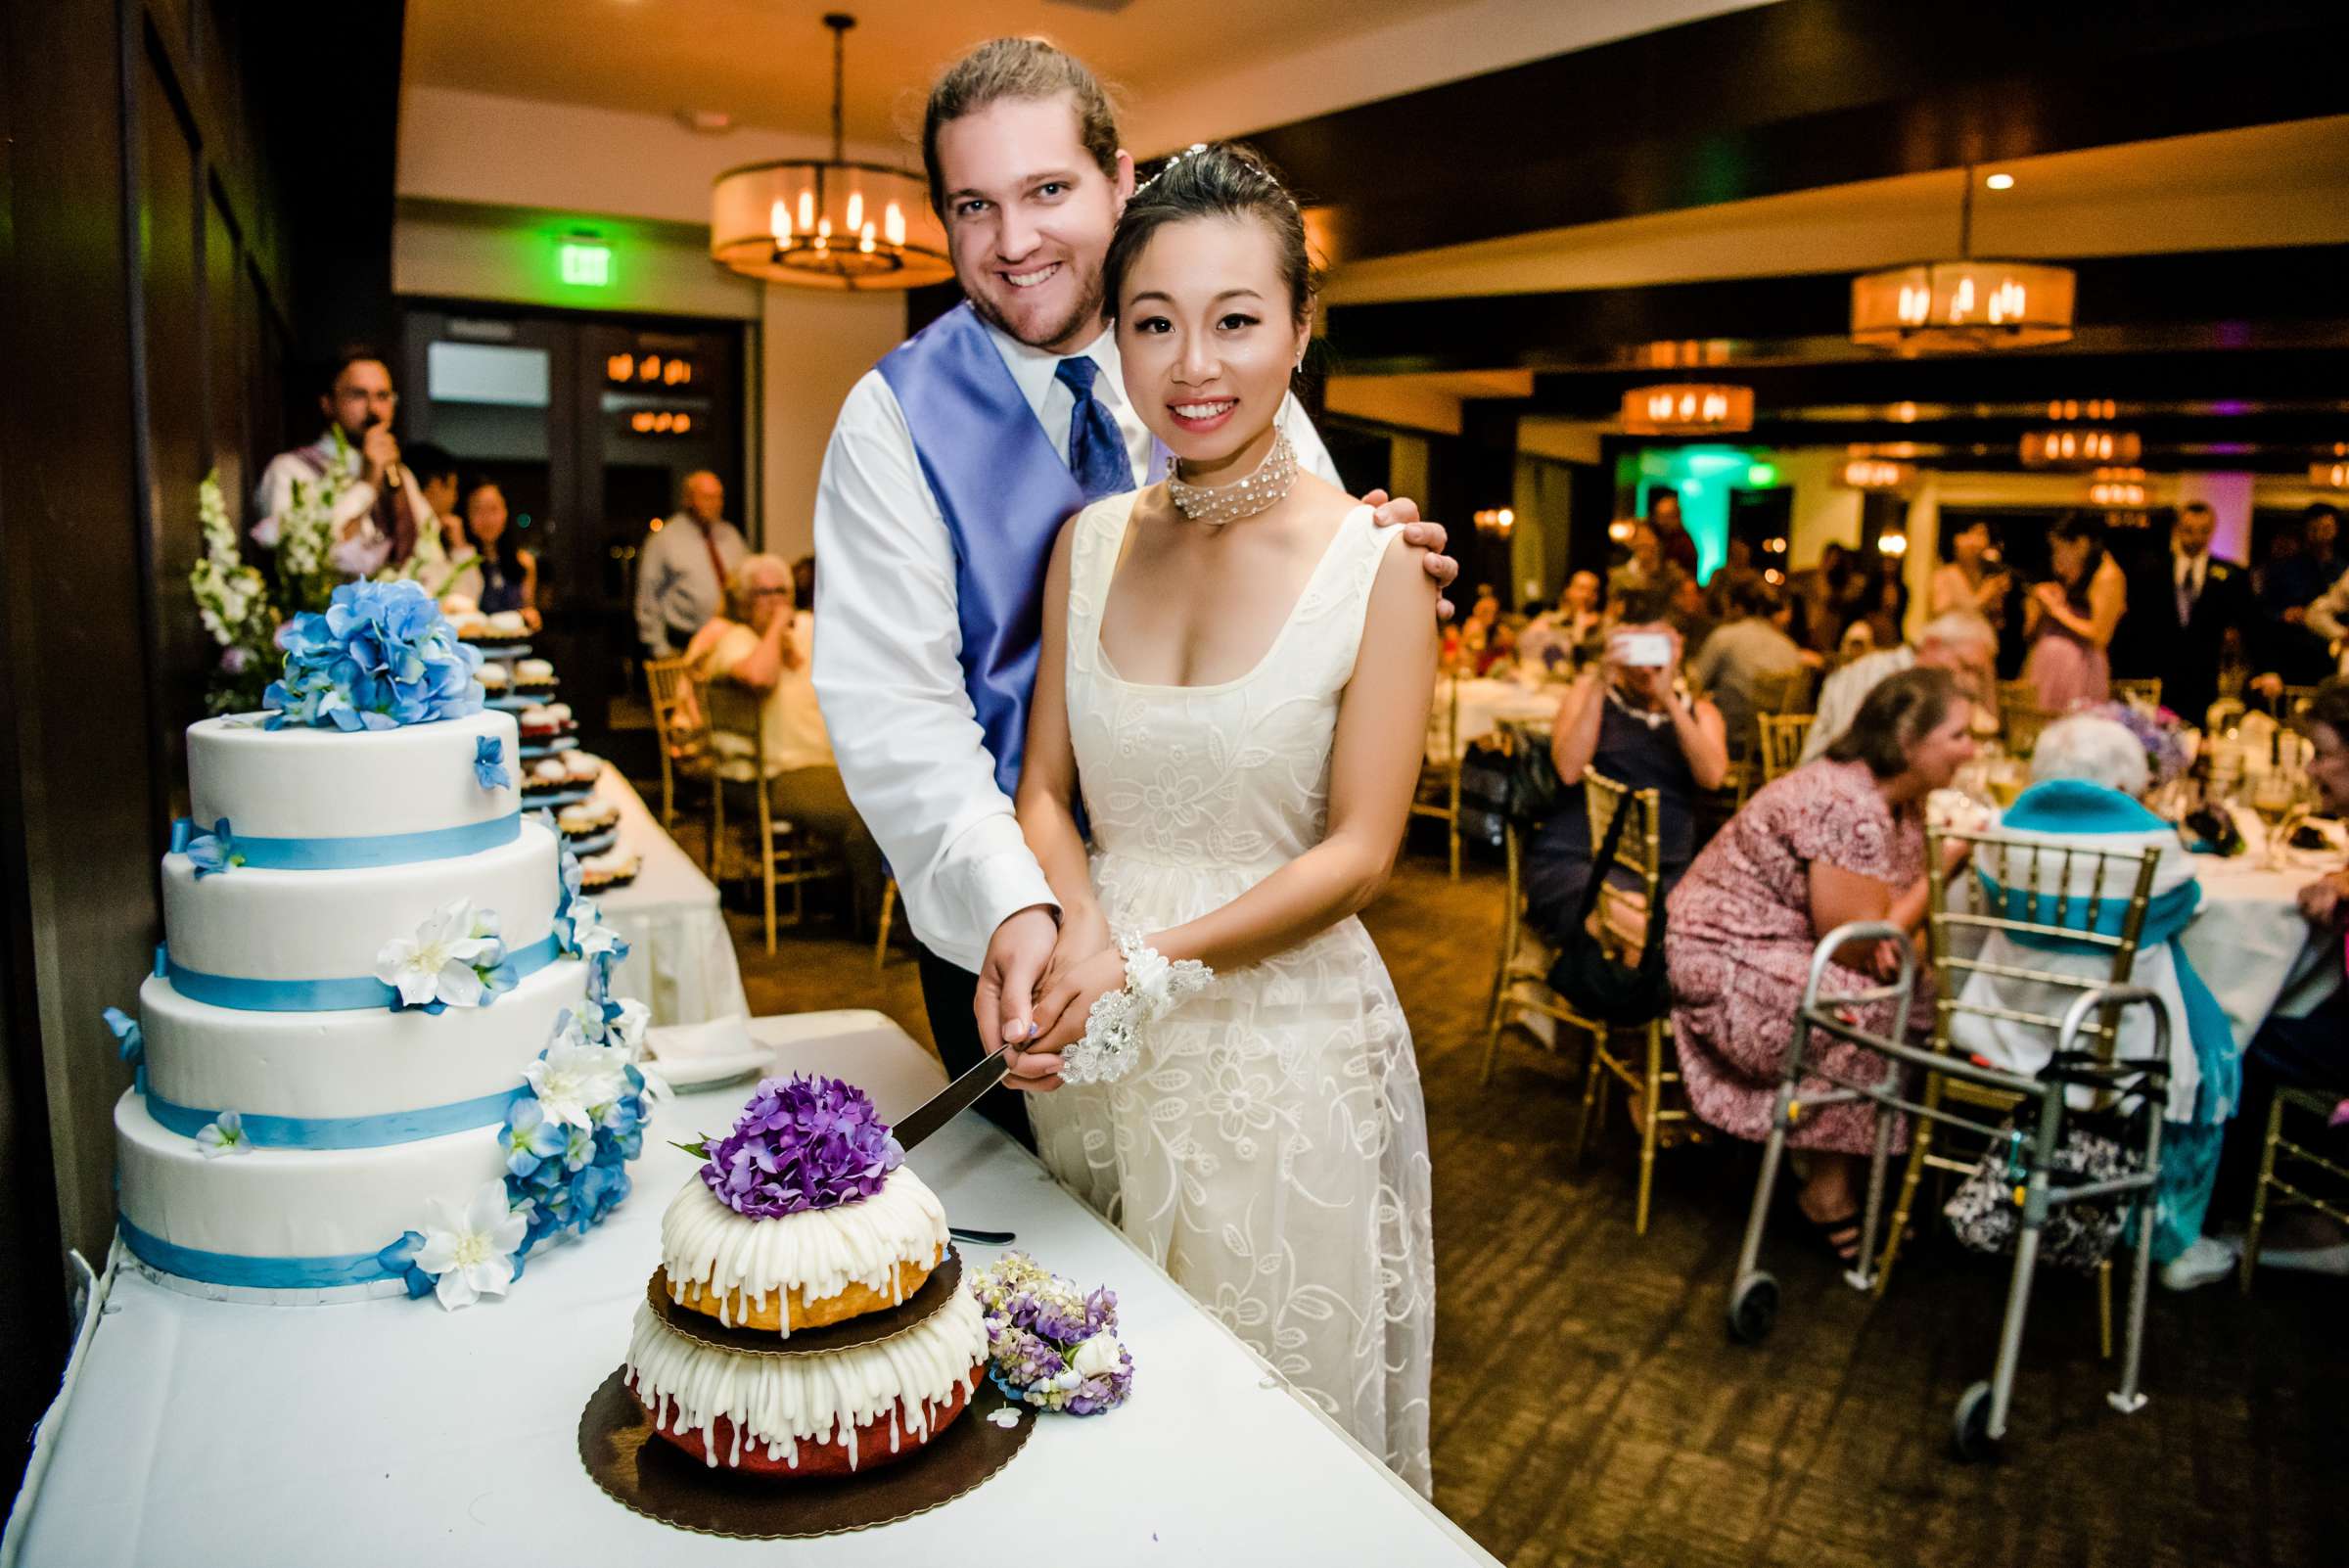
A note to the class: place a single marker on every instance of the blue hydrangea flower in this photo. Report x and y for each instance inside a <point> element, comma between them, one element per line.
<point>381,656</point>
<point>529,1139</point>
<point>489,764</point>
<point>213,852</point>
<point>129,1039</point>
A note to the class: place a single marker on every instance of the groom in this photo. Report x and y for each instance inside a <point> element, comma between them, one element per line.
<point>952,466</point>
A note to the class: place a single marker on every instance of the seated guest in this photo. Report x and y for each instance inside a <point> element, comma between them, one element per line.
<point>1643,566</point>
<point>1561,639</point>
<point>436,475</point>
<point>1720,594</point>
<point>2312,1051</point>
<point>1689,616</point>
<point>765,649</point>
<point>1961,642</point>
<point>1736,659</point>
<point>1500,656</point>
<point>2088,775</point>
<point>2328,617</point>
<point>1628,720</point>
<point>504,576</point>
<point>1838,840</point>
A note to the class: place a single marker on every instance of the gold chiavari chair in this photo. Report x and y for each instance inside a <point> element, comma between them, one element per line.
<point>682,730</point>
<point>1782,737</point>
<point>1521,979</point>
<point>788,855</point>
<point>1438,792</point>
<point>2146,693</point>
<point>1649,1075</point>
<point>2020,717</point>
<point>889,908</point>
<point>2052,894</point>
<point>2292,700</point>
<point>2277,1146</point>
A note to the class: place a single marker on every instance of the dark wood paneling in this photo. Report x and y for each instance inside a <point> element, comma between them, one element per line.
<point>229,345</point>
<point>173,373</point>
<point>1797,94</point>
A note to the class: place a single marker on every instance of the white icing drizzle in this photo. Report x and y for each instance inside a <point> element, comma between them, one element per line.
<point>784,1400</point>
<point>818,1252</point>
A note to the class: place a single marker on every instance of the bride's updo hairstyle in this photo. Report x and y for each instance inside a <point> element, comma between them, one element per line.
<point>1224,180</point>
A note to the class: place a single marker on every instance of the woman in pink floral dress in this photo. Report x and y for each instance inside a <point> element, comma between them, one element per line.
<point>1839,840</point>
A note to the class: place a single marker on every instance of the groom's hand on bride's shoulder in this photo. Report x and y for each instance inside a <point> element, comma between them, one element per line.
<point>1420,535</point>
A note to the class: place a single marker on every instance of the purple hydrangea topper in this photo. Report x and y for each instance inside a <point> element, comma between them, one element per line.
<point>803,1142</point>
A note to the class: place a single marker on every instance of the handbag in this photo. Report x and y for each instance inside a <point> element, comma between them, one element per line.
<point>2095,1147</point>
<point>1593,981</point>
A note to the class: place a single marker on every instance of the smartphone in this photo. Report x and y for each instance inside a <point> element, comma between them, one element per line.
<point>1651,650</point>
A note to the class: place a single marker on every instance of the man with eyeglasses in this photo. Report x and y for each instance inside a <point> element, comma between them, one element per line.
<point>682,569</point>
<point>380,516</point>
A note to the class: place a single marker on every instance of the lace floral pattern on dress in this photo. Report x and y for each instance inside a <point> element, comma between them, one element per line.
<point>1271,1148</point>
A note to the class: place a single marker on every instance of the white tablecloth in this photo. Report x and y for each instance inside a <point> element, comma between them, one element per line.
<point>198,1433</point>
<point>1484,706</point>
<point>680,959</point>
<point>2250,945</point>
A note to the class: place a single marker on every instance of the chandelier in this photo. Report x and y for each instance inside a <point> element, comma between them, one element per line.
<point>1687,409</point>
<point>2331,476</point>
<point>1946,307</point>
<point>828,223</point>
<point>1497,521</point>
<point>2066,447</point>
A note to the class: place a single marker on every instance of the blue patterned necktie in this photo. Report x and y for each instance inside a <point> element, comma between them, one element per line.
<point>1097,454</point>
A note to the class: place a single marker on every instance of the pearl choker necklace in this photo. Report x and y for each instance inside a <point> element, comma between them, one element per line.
<point>1218,504</point>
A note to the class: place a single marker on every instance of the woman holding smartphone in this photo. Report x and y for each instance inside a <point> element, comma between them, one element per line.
<point>1628,717</point>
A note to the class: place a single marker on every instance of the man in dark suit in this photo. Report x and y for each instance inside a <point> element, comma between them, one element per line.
<point>2181,605</point>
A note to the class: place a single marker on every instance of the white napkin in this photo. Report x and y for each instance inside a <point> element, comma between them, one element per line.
<point>719,1037</point>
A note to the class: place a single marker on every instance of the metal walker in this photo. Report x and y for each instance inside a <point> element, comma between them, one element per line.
<point>1980,1423</point>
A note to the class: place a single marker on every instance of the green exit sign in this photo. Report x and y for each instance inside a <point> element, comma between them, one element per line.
<point>585,263</point>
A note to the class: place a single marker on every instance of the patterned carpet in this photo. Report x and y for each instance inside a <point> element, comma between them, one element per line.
<point>1589,1408</point>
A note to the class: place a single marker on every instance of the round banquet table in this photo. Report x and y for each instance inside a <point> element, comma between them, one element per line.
<point>680,959</point>
<point>1484,706</point>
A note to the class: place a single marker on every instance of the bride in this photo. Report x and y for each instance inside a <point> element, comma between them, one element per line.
<point>1236,678</point>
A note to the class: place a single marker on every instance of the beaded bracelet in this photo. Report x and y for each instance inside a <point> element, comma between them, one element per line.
<point>1153,987</point>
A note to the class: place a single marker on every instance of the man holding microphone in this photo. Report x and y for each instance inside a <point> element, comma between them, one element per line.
<point>380,515</point>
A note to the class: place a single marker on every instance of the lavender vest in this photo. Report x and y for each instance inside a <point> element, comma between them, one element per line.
<point>1004,495</point>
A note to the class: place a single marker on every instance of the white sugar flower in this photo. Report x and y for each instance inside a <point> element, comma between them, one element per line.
<point>226,1136</point>
<point>572,1079</point>
<point>472,1250</point>
<point>442,961</point>
<point>589,935</point>
<point>630,1027</point>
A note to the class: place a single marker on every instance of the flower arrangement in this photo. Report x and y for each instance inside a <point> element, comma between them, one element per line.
<point>1049,1345</point>
<point>381,656</point>
<point>471,1252</point>
<point>2161,732</point>
<point>803,1142</point>
<point>235,603</point>
<point>569,1138</point>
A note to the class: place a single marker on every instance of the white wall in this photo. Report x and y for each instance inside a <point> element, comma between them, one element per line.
<point>815,344</point>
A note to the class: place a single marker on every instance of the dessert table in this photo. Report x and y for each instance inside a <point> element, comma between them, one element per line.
<point>680,959</point>
<point>197,1432</point>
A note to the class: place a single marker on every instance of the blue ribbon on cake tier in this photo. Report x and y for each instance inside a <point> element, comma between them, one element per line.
<point>374,1131</point>
<point>320,995</point>
<point>257,1273</point>
<point>366,850</point>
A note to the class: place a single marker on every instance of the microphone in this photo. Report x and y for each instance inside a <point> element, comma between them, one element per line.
<point>391,469</point>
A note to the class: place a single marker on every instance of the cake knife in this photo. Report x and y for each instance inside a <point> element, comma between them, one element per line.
<point>952,1100</point>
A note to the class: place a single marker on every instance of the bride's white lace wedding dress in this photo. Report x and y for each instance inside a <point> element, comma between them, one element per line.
<point>1271,1149</point>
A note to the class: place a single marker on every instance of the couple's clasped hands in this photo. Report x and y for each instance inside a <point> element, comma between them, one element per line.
<point>1038,987</point>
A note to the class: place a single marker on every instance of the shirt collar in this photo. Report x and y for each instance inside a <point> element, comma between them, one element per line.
<point>1036,370</point>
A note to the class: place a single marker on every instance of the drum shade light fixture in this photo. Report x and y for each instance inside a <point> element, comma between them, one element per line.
<point>829,223</point>
<point>1962,305</point>
<point>1687,409</point>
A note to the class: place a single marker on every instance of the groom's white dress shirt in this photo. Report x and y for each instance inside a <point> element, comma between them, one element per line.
<point>888,645</point>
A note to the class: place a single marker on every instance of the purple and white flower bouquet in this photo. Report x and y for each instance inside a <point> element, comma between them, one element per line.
<point>1048,1344</point>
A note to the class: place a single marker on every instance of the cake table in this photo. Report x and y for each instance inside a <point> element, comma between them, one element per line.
<point>680,959</point>
<point>199,1432</point>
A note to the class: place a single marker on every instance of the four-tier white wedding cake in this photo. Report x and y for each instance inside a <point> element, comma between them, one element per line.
<point>377,1052</point>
